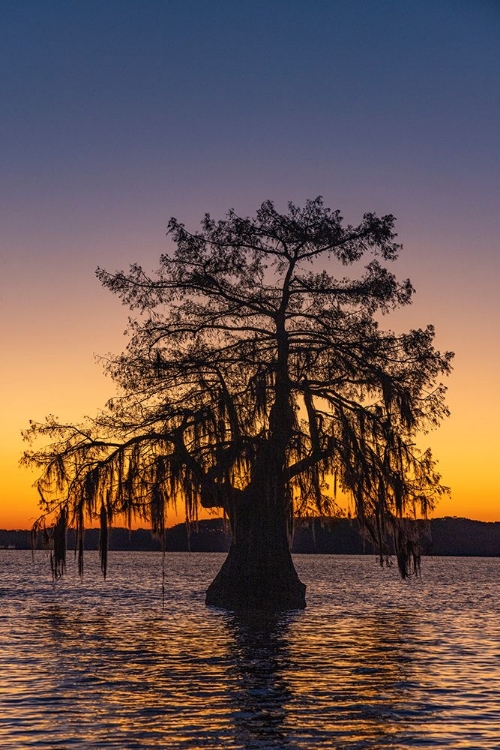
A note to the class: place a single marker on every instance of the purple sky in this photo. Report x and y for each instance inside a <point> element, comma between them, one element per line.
<point>118,114</point>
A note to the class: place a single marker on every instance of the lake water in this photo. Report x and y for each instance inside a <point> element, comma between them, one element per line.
<point>373,662</point>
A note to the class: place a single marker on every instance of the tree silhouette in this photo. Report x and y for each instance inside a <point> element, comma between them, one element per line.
<point>257,382</point>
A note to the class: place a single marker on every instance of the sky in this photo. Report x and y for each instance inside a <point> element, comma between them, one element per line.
<point>118,115</point>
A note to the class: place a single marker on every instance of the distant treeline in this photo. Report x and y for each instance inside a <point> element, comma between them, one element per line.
<point>441,536</point>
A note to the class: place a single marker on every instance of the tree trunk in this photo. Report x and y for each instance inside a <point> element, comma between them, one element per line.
<point>259,572</point>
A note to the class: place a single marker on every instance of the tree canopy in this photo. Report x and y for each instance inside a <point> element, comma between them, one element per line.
<point>258,375</point>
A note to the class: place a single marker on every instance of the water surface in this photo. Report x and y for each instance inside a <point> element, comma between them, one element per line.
<point>373,662</point>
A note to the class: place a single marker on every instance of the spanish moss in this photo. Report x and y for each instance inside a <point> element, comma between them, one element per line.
<point>258,385</point>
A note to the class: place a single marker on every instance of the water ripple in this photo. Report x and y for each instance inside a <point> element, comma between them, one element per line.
<point>372,663</point>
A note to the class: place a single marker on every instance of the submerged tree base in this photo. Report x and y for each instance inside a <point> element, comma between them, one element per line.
<point>271,584</point>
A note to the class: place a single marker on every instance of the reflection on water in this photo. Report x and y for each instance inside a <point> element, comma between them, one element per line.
<point>258,646</point>
<point>372,663</point>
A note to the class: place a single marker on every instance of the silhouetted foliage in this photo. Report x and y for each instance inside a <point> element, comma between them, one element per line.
<point>257,380</point>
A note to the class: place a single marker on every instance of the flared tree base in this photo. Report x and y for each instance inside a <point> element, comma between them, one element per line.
<point>270,584</point>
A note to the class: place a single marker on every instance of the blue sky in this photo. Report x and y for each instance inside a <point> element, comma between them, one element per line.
<point>118,115</point>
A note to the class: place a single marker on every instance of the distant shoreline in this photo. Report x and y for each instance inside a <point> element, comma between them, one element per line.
<point>448,536</point>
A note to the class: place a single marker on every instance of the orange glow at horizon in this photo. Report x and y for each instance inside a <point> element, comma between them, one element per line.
<point>103,142</point>
<point>465,445</point>
<point>465,465</point>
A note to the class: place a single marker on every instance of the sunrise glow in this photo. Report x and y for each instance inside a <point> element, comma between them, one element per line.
<point>93,170</point>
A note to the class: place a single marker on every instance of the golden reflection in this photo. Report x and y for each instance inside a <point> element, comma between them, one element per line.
<point>261,680</point>
<point>358,675</point>
<point>160,683</point>
<point>366,666</point>
<point>296,680</point>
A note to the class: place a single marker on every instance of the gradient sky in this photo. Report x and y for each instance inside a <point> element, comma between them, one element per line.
<point>117,115</point>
